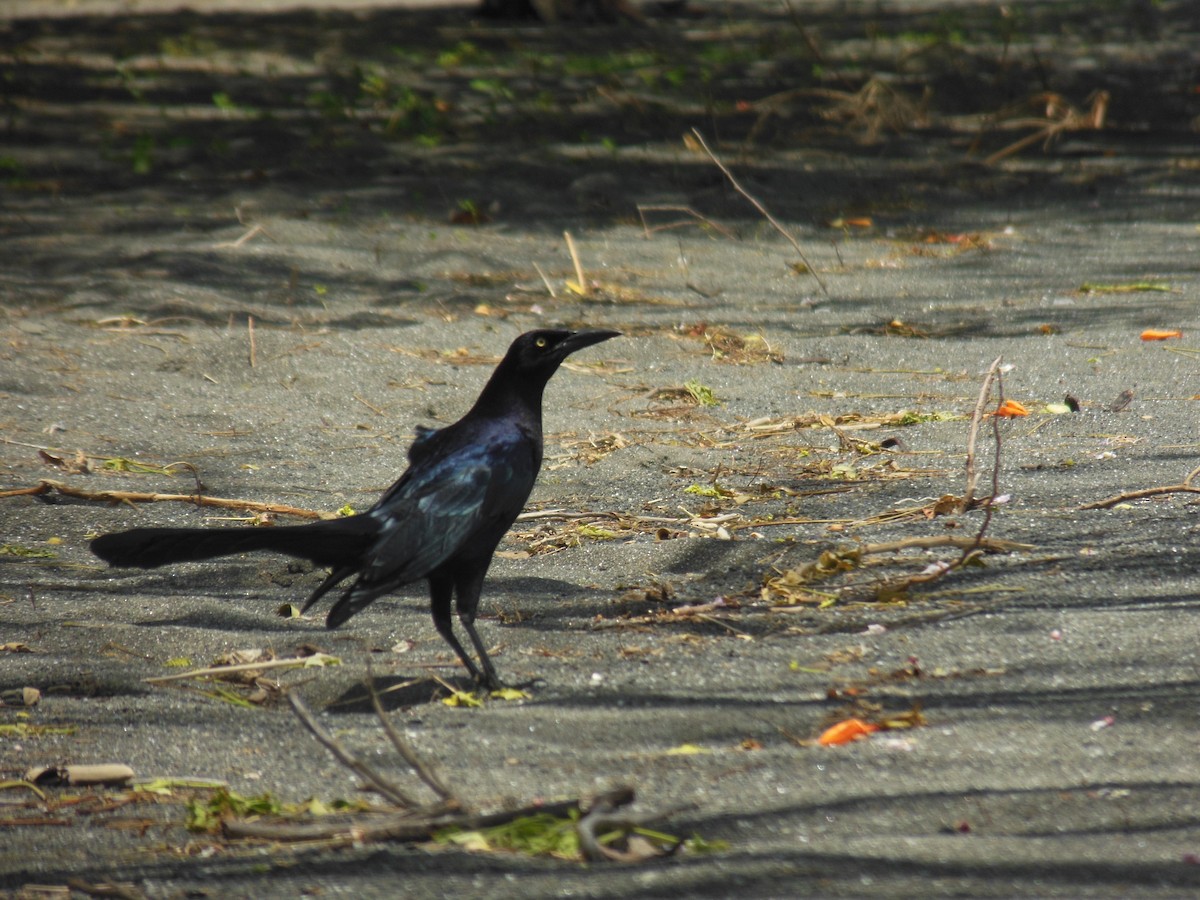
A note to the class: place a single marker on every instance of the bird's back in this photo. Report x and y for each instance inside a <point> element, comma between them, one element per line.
<point>466,485</point>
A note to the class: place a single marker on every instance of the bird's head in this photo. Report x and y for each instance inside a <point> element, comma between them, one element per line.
<point>541,352</point>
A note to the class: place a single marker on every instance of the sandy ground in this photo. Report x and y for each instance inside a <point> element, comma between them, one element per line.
<point>145,225</point>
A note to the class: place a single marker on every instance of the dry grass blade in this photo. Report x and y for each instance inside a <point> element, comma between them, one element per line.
<point>696,219</point>
<point>580,278</point>
<point>221,671</point>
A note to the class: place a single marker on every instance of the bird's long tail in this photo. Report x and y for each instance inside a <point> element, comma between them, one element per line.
<point>336,542</point>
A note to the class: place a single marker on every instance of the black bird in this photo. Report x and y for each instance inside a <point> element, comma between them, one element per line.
<point>464,486</point>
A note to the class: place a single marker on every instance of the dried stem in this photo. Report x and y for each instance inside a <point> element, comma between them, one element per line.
<point>1184,487</point>
<point>424,772</point>
<point>220,671</point>
<point>969,546</point>
<point>45,486</point>
<point>647,230</point>
<point>985,390</point>
<point>579,276</point>
<point>545,280</point>
<point>348,759</point>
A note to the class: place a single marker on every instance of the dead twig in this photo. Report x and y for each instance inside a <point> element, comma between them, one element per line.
<point>424,772</point>
<point>413,823</point>
<point>831,562</point>
<point>977,544</point>
<point>46,486</point>
<point>121,890</point>
<point>247,236</point>
<point>1057,117</point>
<point>385,787</point>
<point>603,818</point>
<point>545,281</point>
<point>1184,487</point>
<point>754,201</point>
<point>946,540</point>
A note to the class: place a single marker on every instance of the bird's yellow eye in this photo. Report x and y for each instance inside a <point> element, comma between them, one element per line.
<point>540,342</point>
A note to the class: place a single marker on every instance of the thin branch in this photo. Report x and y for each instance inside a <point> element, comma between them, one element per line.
<point>46,485</point>
<point>944,540</point>
<point>973,545</point>
<point>348,759</point>
<point>762,209</point>
<point>1184,487</point>
<point>424,772</point>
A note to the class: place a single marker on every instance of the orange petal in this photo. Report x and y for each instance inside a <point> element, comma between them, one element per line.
<point>845,732</point>
<point>1160,334</point>
<point>1011,408</point>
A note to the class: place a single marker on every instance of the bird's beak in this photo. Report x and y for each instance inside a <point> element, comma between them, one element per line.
<point>579,339</point>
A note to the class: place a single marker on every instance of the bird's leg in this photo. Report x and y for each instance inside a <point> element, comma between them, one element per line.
<point>441,590</point>
<point>488,678</point>
<point>468,586</point>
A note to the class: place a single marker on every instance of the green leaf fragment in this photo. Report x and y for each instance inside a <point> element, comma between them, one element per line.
<point>26,552</point>
<point>702,394</point>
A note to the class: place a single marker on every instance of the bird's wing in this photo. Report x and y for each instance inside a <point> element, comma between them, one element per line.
<point>435,511</point>
<point>422,527</point>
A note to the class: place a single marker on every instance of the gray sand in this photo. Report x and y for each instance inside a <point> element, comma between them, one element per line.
<point>1059,683</point>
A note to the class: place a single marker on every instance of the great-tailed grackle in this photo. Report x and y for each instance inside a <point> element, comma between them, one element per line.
<point>464,486</point>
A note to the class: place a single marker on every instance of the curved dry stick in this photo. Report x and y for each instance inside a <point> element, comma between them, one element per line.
<point>346,758</point>
<point>432,780</point>
<point>985,391</point>
<point>46,485</point>
<point>1184,487</point>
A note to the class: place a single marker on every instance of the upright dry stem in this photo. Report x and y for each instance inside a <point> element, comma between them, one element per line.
<point>985,390</point>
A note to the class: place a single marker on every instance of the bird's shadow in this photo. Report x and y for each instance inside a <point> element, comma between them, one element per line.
<point>399,692</point>
<point>403,692</point>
